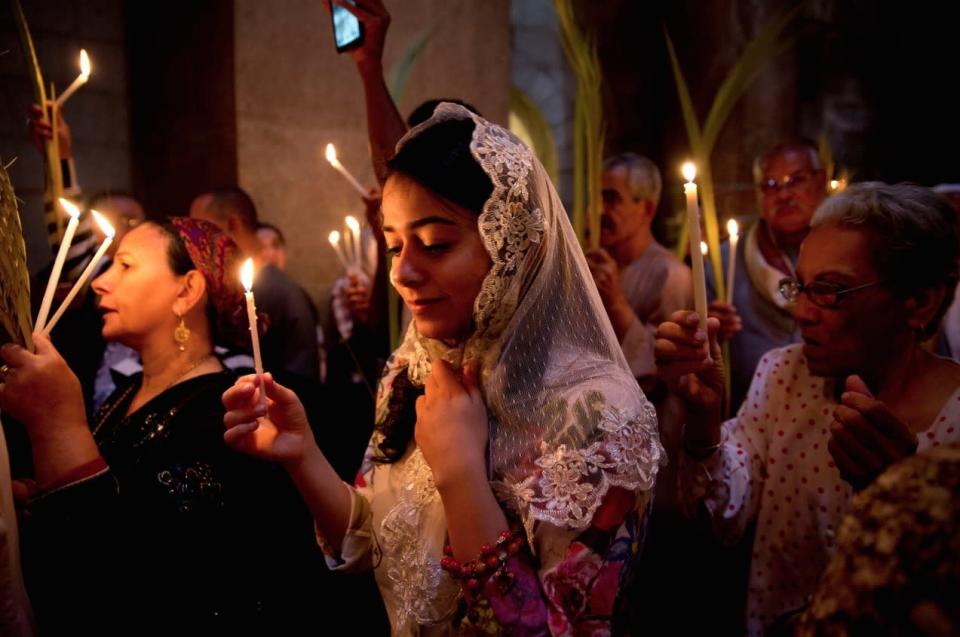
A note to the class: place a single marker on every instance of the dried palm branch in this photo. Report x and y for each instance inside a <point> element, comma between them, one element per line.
<point>16,319</point>
<point>54,177</point>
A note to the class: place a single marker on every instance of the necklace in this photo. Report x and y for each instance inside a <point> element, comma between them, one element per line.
<point>195,365</point>
<point>107,412</point>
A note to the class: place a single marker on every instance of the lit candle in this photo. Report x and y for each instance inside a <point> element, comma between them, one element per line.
<point>704,248</point>
<point>733,231</point>
<point>354,226</point>
<point>246,278</point>
<point>108,233</point>
<point>335,243</point>
<point>332,158</point>
<point>80,81</point>
<point>47,302</point>
<point>696,256</point>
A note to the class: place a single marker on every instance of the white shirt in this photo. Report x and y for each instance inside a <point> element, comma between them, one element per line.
<point>774,468</point>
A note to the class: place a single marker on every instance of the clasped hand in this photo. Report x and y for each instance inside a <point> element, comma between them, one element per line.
<point>865,437</point>
<point>451,428</point>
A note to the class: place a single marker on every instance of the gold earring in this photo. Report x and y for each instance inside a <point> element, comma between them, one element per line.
<point>181,334</point>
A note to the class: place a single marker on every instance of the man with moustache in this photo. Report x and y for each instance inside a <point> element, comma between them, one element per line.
<point>640,282</point>
<point>790,183</point>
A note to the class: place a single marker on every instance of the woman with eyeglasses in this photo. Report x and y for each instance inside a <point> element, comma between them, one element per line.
<point>823,418</point>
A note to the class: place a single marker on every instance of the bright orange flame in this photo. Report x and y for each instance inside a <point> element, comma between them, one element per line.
<point>246,274</point>
<point>732,228</point>
<point>689,171</point>
<point>104,224</point>
<point>703,248</point>
<point>334,237</point>
<point>331,154</point>
<point>70,207</point>
<point>84,64</point>
<point>352,223</point>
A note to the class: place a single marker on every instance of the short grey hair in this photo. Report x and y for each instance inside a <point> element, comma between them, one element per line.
<point>914,236</point>
<point>800,145</point>
<point>643,176</point>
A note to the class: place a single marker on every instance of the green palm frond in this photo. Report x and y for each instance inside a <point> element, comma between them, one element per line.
<point>400,71</point>
<point>530,125</point>
<point>16,320</point>
<point>588,131</point>
<point>768,44</point>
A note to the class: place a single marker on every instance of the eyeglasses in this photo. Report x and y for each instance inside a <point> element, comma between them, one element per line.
<point>772,185</point>
<point>821,293</point>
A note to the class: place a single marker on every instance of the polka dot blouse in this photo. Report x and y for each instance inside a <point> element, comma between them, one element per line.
<point>773,467</point>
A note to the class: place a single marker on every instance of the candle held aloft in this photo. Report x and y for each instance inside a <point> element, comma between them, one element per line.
<point>54,279</point>
<point>246,278</point>
<point>334,239</point>
<point>109,233</point>
<point>80,79</point>
<point>354,227</point>
<point>696,256</point>
<point>331,154</point>
<point>734,233</point>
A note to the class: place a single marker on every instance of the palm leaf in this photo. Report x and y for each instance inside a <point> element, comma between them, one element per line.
<point>532,127</point>
<point>690,120</point>
<point>16,318</point>
<point>768,44</point>
<point>581,53</point>
<point>400,72</point>
<point>54,176</point>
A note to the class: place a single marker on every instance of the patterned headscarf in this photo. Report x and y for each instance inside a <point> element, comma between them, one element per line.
<point>218,259</point>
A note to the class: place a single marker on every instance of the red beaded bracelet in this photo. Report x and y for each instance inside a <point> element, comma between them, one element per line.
<point>492,561</point>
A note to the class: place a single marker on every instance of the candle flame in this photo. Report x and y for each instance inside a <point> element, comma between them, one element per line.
<point>732,228</point>
<point>105,225</point>
<point>334,238</point>
<point>246,274</point>
<point>703,248</point>
<point>689,171</point>
<point>834,184</point>
<point>331,154</point>
<point>84,64</point>
<point>352,223</point>
<point>70,207</point>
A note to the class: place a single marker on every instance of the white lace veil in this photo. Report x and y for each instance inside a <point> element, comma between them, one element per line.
<point>567,418</point>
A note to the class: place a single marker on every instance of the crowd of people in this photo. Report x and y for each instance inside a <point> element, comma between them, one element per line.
<point>558,445</point>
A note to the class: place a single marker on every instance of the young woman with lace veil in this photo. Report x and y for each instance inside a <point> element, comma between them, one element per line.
<point>504,487</point>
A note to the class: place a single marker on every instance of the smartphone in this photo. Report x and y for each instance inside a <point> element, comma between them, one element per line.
<point>347,30</point>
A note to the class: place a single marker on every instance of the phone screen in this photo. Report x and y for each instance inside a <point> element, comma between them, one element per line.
<point>347,30</point>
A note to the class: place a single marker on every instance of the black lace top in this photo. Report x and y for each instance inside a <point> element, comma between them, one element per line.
<point>179,534</point>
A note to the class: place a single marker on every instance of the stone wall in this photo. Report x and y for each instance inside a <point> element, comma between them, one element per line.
<point>294,94</point>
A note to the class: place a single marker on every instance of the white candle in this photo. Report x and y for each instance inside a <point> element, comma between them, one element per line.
<point>80,79</point>
<point>332,158</point>
<point>354,226</point>
<point>334,239</point>
<point>246,278</point>
<point>47,302</point>
<point>109,233</point>
<point>733,231</point>
<point>696,256</point>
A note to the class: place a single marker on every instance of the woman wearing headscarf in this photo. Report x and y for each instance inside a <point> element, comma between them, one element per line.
<point>138,514</point>
<point>513,457</point>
